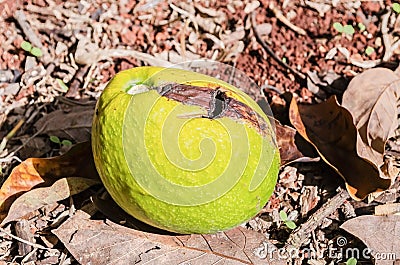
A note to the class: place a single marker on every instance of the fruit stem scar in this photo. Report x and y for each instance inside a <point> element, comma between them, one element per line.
<point>216,102</point>
<point>137,89</point>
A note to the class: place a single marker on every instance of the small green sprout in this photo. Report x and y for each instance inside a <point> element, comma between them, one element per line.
<point>351,261</point>
<point>26,46</point>
<point>289,223</point>
<point>396,7</point>
<point>345,29</point>
<point>338,26</point>
<point>63,86</point>
<point>35,51</point>
<point>361,26</point>
<point>369,50</point>
<point>348,29</point>
<point>57,140</point>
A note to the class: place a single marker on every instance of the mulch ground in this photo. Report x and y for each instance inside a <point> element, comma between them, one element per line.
<point>82,42</point>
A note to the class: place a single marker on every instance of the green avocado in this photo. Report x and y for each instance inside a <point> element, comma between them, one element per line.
<point>183,151</point>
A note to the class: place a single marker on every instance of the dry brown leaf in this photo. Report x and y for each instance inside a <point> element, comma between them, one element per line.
<point>99,242</point>
<point>22,178</point>
<point>381,235</point>
<point>372,99</point>
<point>329,127</point>
<point>78,162</point>
<point>76,123</point>
<point>288,149</point>
<point>37,198</point>
<point>33,147</point>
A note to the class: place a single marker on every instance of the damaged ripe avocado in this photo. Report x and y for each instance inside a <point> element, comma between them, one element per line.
<point>183,151</point>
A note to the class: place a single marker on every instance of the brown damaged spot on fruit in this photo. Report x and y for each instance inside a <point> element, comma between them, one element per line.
<point>216,102</point>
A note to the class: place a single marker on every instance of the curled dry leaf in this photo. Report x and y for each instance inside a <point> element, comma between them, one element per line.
<point>99,242</point>
<point>329,127</point>
<point>381,235</point>
<point>22,178</point>
<point>76,123</point>
<point>36,198</point>
<point>78,162</point>
<point>288,148</point>
<point>372,98</point>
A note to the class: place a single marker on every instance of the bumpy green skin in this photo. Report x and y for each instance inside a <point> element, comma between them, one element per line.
<point>236,206</point>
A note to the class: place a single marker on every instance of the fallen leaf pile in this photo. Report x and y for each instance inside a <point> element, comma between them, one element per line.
<point>329,128</point>
<point>351,137</point>
<point>75,170</point>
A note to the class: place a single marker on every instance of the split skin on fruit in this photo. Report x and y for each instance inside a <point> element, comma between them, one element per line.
<point>183,151</point>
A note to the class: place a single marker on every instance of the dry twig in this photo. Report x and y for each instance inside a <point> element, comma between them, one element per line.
<point>300,235</point>
<point>271,52</point>
<point>279,15</point>
<point>387,209</point>
<point>3,143</point>
<point>22,230</point>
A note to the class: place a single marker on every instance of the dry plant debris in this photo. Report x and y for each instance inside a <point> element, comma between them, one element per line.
<point>53,210</point>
